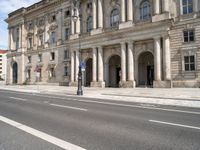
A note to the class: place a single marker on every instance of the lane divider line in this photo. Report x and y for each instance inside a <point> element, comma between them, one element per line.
<point>64,106</point>
<point>123,105</point>
<point>16,98</point>
<point>175,124</point>
<point>46,137</point>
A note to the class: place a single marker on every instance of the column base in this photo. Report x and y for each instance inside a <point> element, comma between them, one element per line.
<point>127,84</point>
<point>98,84</point>
<point>96,31</point>
<point>75,84</point>
<point>160,17</point>
<point>126,25</point>
<point>162,84</point>
<point>74,36</point>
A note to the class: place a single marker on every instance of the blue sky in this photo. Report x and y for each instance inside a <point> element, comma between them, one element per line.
<point>7,6</point>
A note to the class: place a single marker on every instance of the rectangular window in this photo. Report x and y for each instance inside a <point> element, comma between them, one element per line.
<point>0,67</point>
<point>0,56</point>
<point>66,71</point>
<point>52,56</point>
<point>189,62</point>
<point>0,59</point>
<point>52,73</point>
<point>29,59</point>
<point>67,14</point>
<point>41,41</point>
<point>28,74</point>
<point>40,58</point>
<point>30,44</point>
<point>66,54</point>
<point>54,18</point>
<point>188,36</point>
<point>187,6</point>
<point>66,33</point>
<point>53,37</point>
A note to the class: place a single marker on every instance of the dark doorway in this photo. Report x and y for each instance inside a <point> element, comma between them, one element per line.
<point>15,73</point>
<point>114,71</point>
<point>146,69</point>
<point>150,75</point>
<point>88,72</point>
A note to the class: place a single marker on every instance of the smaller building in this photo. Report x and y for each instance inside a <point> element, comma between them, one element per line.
<point>3,62</point>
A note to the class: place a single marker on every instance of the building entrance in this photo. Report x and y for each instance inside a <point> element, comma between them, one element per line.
<point>146,69</point>
<point>15,73</point>
<point>88,72</point>
<point>114,71</point>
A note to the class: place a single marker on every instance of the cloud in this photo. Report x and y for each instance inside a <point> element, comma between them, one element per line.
<point>8,6</point>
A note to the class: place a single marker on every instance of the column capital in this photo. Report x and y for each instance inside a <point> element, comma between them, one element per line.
<point>157,37</point>
<point>131,42</point>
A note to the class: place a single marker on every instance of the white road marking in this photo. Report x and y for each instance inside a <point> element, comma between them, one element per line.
<point>51,139</point>
<point>17,98</point>
<point>115,104</point>
<point>64,106</point>
<point>175,124</point>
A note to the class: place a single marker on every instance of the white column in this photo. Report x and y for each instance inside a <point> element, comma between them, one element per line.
<point>157,59</point>
<point>94,64</point>
<point>130,62</point>
<point>72,66</point>
<point>130,10</point>
<point>165,4</point>
<point>196,5</point>
<point>94,12</point>
<point>77,65</point>
<point>100,64</point>
<point>78,23</point>
<point>123,11</point>
<point>20,36</point>
<point>100,13</point>
<point>60,25</point>
<point>123,62</point>
<point>72,23</point>
<point>166,58</point>
<point>9,39</point>
<point>157,6</point>
<point>46,37</point>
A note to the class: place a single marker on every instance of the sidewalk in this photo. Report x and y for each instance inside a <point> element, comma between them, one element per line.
<point>187,97</point>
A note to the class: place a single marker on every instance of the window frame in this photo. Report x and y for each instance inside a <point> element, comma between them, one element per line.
<point>189,63</point>
<point>187,6</point>
<point>145,4</point>
<point>188,36</point>
<point>89,23</point>
<point>115,13</point>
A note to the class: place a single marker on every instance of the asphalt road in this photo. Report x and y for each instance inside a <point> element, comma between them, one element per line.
<point>45,122</point>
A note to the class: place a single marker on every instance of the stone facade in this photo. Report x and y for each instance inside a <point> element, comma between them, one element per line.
<point>123,43</point>
<point>3,61</point>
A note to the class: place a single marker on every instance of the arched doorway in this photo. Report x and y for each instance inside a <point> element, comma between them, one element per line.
<point>114,71</point>
<point>146,69</point>
<point>15,73</point>
<point>88,72</point>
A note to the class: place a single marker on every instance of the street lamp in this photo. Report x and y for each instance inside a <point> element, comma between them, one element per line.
<point>75,17</point>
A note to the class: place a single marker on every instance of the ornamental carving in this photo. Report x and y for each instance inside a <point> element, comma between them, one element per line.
<point>40,31</point>
<point>114,2</point>
<point>53,27</point>
<point>40,21</point>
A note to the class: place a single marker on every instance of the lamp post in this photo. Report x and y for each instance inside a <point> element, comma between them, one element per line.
<point>75,16</point>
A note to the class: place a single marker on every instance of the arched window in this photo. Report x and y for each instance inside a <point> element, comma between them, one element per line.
<point>145,10</point>
<point>114,18</point>
<point>187,6</point>
<point>89,24</point>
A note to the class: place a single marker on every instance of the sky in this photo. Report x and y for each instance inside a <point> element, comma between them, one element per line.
<point>7,6</point>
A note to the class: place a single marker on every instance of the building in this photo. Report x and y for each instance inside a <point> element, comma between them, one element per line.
<point>123,43</point>
<point>3,62</point>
